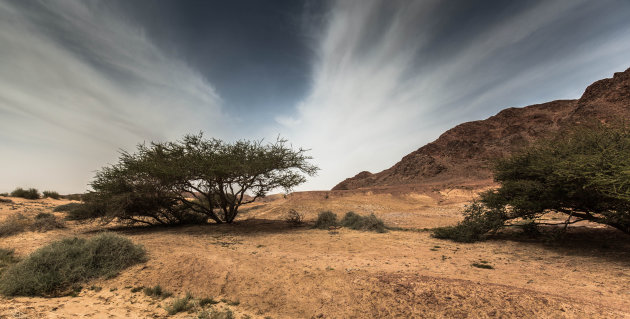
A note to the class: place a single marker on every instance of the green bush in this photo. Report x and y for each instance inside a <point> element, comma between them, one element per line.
<point>53,269</point>
<point>366,223</point>
<point>478,221</point>
<point>179,305</point>
<point>51,194</point>
<point>14,224</point>
<point>30,193</point>
<point>46,221</point>
<point>326,220</point>
<point>582,173</point>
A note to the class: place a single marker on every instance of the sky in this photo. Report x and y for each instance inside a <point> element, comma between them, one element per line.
<point>360,83</point>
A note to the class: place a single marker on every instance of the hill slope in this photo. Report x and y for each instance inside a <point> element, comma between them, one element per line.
<point>463,152</point>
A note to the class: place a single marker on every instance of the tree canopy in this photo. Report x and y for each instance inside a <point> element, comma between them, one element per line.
<point>194,179</point>
<point>583,173</point>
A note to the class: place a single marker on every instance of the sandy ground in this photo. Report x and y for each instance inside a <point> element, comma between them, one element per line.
<point>274,270</point>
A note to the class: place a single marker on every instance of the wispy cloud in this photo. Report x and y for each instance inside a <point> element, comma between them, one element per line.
<point>379,91</point>
<point>77,83</point>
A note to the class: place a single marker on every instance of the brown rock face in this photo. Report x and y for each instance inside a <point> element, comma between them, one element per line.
<point>464,152</point>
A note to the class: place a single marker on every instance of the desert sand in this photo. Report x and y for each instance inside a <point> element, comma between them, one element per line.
<point>262,267</point>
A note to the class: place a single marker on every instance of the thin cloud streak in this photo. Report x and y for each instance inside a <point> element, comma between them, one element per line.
<point>77,84</point>
<point>375,97</point>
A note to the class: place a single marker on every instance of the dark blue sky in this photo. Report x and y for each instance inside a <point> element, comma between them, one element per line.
<point>360,82</point>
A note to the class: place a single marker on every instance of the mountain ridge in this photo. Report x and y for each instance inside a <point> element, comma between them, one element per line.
<point>464,152</point>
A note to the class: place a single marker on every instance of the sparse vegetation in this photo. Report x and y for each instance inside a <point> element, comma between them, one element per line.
<point>216,314</point>
<point>294,218</point>
<point>7,259</point>
<point>55,268</point>
<point>176,182</point>
<point>31,193</point>
<point>14,224</point>
<point>482,264</point>
<point>207,301</point>
<point>156,292</point>
<point>325,220</point>
<point>6,200</point>
<point>67,207</point>
<point>180,305</point>
<point>51,194</point>
<point>46,221</point>
<point>583,174</point>
<point>4,194</point>
<point>366,223</point>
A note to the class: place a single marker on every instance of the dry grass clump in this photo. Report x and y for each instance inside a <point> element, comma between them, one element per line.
<point>53,269</point>
<point>180,305</point>
<point>366,223</point>
<point>294,218</point>
<point>46,221</point>
<point>156,292</point>
<point>14,224</point>
<point>328,219</point>
<point>6,259</point>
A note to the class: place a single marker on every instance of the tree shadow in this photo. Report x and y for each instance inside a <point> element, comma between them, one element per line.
<point>600,242</point>
<point>246,227</point>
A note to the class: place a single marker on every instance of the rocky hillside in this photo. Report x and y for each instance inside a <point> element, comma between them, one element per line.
<point>464,152</point>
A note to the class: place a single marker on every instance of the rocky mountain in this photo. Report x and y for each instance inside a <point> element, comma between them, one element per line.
<point>464,152</point>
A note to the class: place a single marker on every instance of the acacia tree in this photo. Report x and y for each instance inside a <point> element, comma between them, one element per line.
<point>175,182</point>
<point>583,173</point>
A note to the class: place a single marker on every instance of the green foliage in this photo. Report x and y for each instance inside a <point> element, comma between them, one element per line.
<point>30,193</point>
<point>326,220</point>
<point>584,174</point>
<point>178,182</point>
<point>51,194</point>
<point>478,221</point>
<point>46,221</point>
<point>157,292</point>
<point>55,268</point>
<point>180,305</point>
<point>14,224</point>
<point>366,223</point>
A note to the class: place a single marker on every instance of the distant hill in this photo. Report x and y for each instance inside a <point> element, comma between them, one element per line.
<point>464,152</point>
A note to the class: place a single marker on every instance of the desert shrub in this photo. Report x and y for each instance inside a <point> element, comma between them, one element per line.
<point>7,259</point>
<point>207,301</point>
<point>180,305</point>
<point>216,314</point>
<point>367,223</point>
<point>294,218</point>
<point>30,193</point>
<point>325,220</point>
<point>51,194</point>
<point>66,207</point>
<point>77,197</point>
<point>582,173</point>
<point>55,268</point>
<point>4,194</point>
<point>478,221</point>
<point>14,224</point>
<point>82,211</point>
<point>156,292</point>
<point>46,221</point>
<point>6,200</point>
